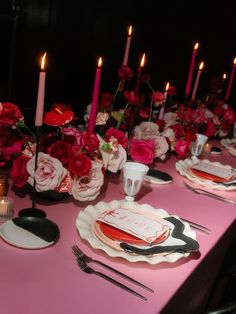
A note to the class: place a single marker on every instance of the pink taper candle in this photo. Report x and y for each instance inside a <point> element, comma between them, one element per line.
<point>138,77</point>
<point>93,111</point>
<point>190,74</point>
<point>230,81</point>
<point>162,110</point>
<point>197,81</point>
<point>41,94</point>
<point>127,47</point>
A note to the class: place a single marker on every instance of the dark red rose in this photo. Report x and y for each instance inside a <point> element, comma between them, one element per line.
<point>62,151</point>
<point>10,114</point>
<point>89,142</point>
<point>18,173</point>
<point>80,165</point>
<point>106,100</point>
<point>125,73</point>
<point>131,97</point>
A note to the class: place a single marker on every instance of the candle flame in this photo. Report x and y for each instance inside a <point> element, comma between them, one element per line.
<point>196,46</point>
<point>224,76</point>
<point>43,61</point>
<point>201,65</point>
<point>100,62</point>
<point>167,86</point>
<point>130,30</point>
<point>234,60</point>
<point>142,61</point>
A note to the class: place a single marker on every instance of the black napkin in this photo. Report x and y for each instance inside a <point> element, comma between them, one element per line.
<point>41,227</point>
<point>159,175</point>
<point>177,232</point>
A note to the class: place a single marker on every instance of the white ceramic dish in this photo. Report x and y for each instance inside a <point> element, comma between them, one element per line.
<point>183,167</point>
<point>230,145</point>
<point>85,224</point>
<point>44,232</point>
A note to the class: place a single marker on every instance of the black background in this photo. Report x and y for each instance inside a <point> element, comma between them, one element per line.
<point>76,33</point>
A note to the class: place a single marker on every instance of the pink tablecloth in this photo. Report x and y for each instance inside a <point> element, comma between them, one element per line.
<point>48,281</point>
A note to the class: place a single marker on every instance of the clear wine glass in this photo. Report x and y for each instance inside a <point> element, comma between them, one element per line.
<point>133,175</point>
<point>198,145</point>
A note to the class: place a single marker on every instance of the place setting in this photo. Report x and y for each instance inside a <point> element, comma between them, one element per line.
<point>133,231</point>
<point>202,171</point>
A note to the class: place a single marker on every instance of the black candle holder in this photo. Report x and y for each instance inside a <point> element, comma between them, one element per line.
<point>33,211</point>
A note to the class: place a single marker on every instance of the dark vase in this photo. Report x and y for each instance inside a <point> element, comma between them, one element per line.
<point>52,195</point>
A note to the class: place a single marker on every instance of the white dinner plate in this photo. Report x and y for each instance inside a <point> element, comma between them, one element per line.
<point>30,232</point>
<point>184,168</point>
<point>85,224</point>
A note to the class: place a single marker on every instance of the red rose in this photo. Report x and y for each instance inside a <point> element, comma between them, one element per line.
<point>142,151</point>
<point>90,142</point>
<point>131,97</point>
<point>10,114</point>
<point>158,97</point>
<point>80,165</point>
<point>119,135</point>
<point>18,173</point>
<point>62,151</point>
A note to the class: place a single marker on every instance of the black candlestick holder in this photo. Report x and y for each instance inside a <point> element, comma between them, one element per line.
<point>33,211</point>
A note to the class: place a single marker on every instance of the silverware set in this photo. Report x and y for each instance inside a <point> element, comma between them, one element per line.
<point>83,259</point>
<point>210,194</point>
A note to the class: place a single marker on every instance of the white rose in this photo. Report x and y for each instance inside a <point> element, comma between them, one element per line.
<point>49,173</point>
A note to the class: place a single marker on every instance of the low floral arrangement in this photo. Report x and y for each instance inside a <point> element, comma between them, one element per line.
<point>68,159</point>
<point>152,134</point>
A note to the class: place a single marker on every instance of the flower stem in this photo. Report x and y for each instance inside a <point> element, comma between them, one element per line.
<point>122,119</point>
<point>150,114</point>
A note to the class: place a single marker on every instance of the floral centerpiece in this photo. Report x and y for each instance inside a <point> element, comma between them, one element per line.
<point>66,159</point>
<point>156,124</point>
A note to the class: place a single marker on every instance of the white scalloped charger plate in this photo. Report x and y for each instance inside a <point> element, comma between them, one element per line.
<point>183,167</point>
<point>86,219</point>
<point>227,143</point>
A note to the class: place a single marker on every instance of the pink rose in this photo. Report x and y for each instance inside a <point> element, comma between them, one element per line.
<point>18,173</point>
<point>8,152</point>
<point>182,147</point>
<point>142,151</point>
<point>87,187</point>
